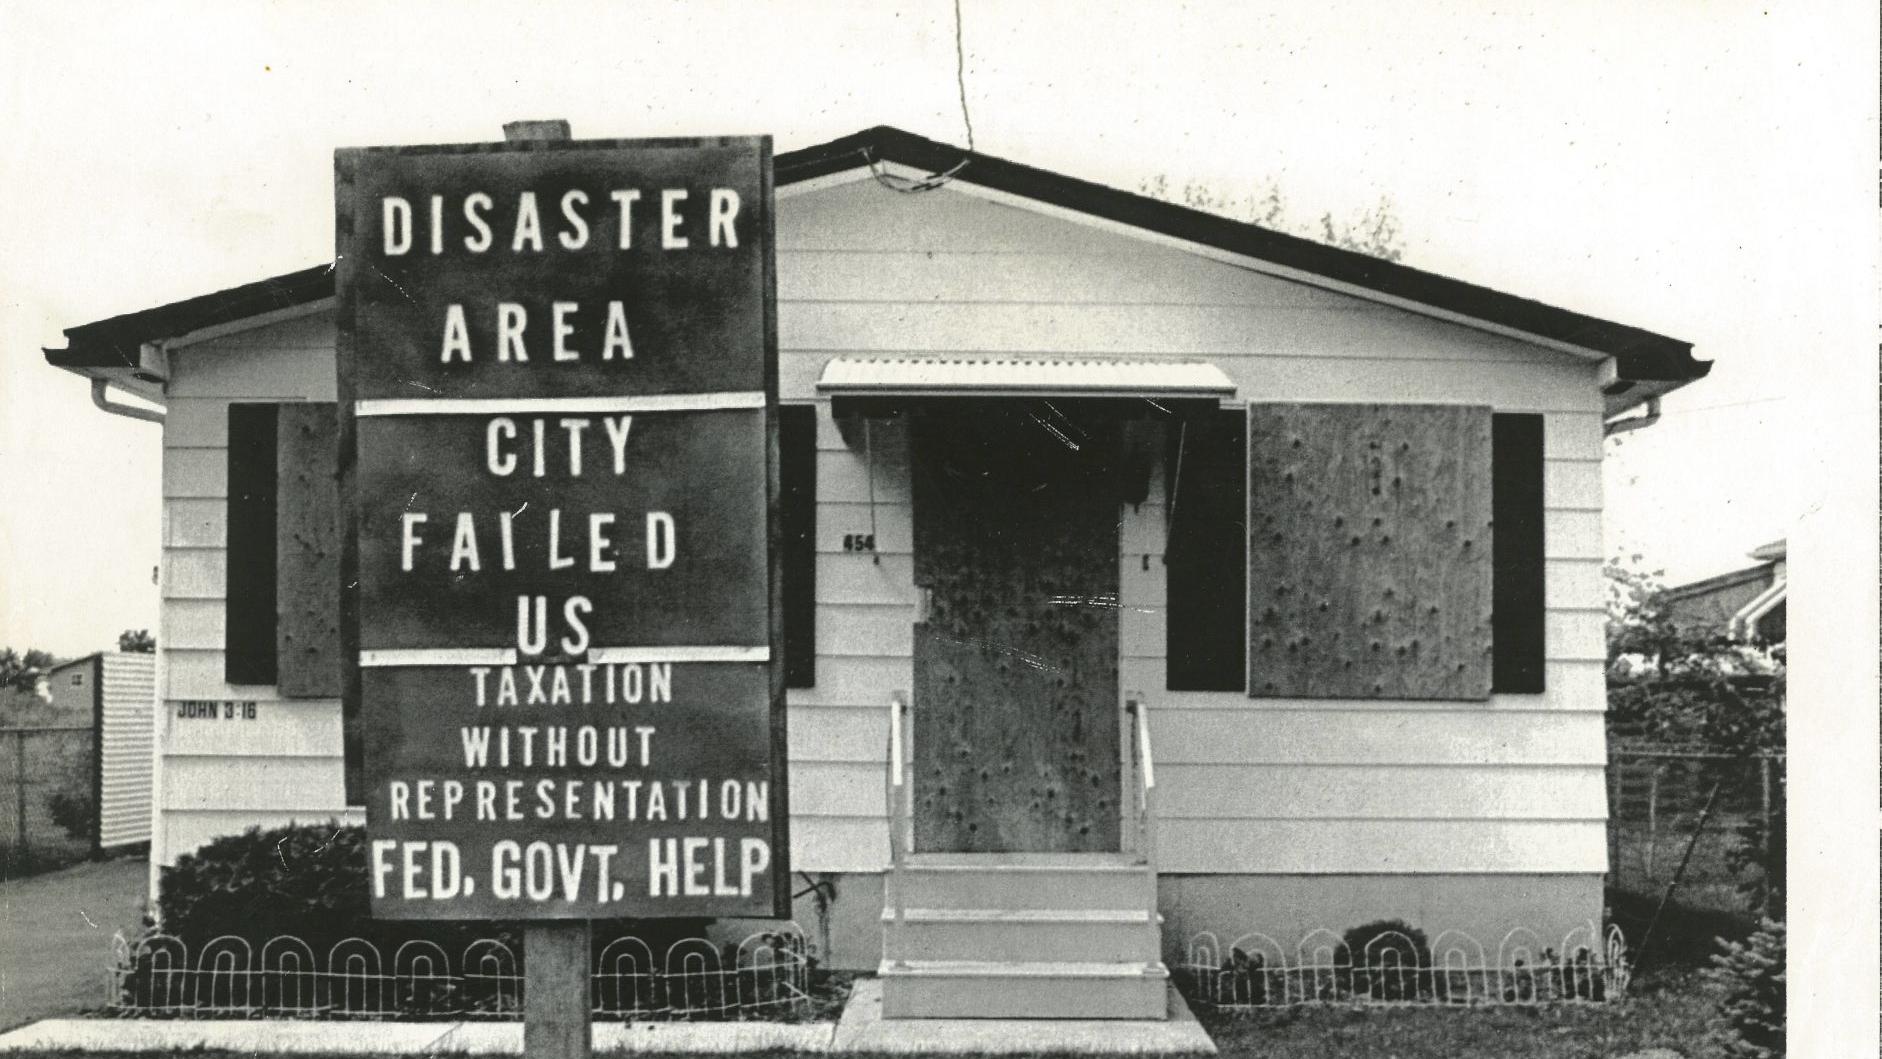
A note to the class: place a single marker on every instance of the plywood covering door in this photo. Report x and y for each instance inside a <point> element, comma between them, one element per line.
<point>1015,689</point>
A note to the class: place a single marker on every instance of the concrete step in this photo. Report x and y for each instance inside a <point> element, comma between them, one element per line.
<point>978,989</point>
<point>1023,881</point>
<point>1079,935</point>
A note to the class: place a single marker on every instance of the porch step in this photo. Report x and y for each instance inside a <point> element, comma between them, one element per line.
<point>1023,934</point>
<point>930,989</point>
<point>1022,881</point>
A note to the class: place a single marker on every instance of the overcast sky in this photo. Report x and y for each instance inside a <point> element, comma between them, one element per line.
<point>1653,164</point>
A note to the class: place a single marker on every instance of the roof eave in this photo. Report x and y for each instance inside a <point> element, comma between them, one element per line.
<point>1656,362</point>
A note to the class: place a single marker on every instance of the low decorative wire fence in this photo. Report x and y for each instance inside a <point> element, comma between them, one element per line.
<point>1394,969</point>
<point>764,977</point>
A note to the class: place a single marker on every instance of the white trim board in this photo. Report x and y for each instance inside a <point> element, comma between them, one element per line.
<point>647,403</point>
<point>508,656</point>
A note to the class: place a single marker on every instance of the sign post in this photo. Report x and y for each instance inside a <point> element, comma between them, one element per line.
<point>558,395</point>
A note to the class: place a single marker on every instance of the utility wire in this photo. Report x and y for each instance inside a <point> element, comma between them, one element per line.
<point>932,181</point>
<point>960,74</point>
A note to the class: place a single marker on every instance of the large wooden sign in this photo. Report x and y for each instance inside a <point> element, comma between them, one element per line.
<point>558,391</point>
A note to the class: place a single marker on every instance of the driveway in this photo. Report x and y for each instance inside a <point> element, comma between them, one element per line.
<point>55,936</point>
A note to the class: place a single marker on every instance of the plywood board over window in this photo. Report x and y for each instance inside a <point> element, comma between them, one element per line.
<point>1369,554</point>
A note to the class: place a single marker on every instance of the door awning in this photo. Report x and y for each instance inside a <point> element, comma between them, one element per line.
<point>1023,377</point>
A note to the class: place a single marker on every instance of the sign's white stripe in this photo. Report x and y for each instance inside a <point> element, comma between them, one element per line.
<point>656,402</point>
<point>617,655</point>
<point>440,656</point>
<point>507,656</point>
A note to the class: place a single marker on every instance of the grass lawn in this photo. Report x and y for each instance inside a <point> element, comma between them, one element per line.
<point>1672,1010</point>
<point>1668,1010</point>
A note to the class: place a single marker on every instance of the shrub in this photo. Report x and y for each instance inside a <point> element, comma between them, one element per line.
<point>74,812</point>
<point>311,881</point>
<point>1751,976</point>
<point>1379,949</point>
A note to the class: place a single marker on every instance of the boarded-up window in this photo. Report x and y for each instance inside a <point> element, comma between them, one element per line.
<point>307,551</point>
<point>1369,551</point>
<point>797,501</point>
<point>1516,489</point>
<point>249,615</point>
<point>1206,569</point>
<point>281,618</point>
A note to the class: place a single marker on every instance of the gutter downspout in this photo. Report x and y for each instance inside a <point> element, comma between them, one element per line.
<point>98,387</point>
<point>1640,422</point>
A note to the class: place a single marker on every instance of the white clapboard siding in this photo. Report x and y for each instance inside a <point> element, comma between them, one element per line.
<point>1461,738</point>
<point>871,219</point>
<point>892,523</point>
<point>194,624</point>
<point>286,762</point>
<point>256,365</point>
<point>862,578</point>
<point>195,473</point>
<point>866,629</point>
<point>856,681</point>
<point>1375,792</point>
<point>197,674</point>
<point>840,789</point>
<point>1573,535</point>
<point>1386,847</point>
<point>296,728</point>
<point>195,523</point>
<point>201,784</point>
<point>839,734</point>
<point>855,843</point>
<point>1154,276</point>
<point>195,573</point>
<point>1034,328</point>
<point>128,695</point>
<point>314,331</point>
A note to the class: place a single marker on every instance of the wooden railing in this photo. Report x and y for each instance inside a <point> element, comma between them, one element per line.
<point>900,801</point>
<point>1144,767</point>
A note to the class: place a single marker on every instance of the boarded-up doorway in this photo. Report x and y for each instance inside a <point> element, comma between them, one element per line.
<point>1015,688</point>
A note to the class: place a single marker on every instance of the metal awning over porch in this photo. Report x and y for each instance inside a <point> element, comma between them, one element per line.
<point>1174,380</point>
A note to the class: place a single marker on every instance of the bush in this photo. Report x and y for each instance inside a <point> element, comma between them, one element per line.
<point>310,881</point>
<point>1379,949</point>
<point>75,813</point>
<point>1751,976</point>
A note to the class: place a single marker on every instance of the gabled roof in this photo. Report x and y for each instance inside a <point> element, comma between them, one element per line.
<point>1641,356</point>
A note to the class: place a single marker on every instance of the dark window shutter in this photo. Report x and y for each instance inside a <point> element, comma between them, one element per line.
<point>249,599</point>
<point>797,503</point>
<point>1205,561</point>
<point>307,550</point>
<point>1516,507</point>
<point>1369,553</point>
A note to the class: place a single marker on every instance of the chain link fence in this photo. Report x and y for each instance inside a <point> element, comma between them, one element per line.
<point>46,799</point>
<point>1704,825</point>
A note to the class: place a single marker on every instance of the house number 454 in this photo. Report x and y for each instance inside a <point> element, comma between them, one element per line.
<point>859,542</point>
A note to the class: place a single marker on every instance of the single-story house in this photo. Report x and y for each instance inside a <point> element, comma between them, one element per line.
<point>88,734</point>
<point>1747,604</point>
<point>1198,577</point>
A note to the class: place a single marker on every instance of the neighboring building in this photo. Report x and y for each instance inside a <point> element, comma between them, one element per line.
<point>91,738</point>
<point>69,687</point>
<point>1748,604</point>
<point>1030,411</point>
